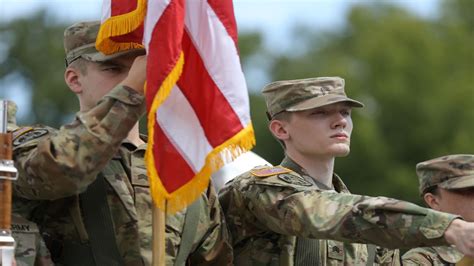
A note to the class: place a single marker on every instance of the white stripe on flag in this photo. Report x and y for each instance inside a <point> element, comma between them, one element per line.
<point>219,54</point>
<point>181,126</point>
<point>155,9</point>
<point>106,10</point>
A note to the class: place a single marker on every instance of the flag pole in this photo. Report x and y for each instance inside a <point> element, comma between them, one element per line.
<point>466,261</point>
<point>158,245</point>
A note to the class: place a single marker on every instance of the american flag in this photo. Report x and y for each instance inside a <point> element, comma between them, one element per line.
<point>197,99</point>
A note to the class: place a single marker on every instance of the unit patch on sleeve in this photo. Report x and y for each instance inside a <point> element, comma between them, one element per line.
<point>269,171</point>
<point>27,135</point>
<point>295,180</point>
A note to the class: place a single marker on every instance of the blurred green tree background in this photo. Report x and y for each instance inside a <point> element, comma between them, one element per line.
<point>414,74</point>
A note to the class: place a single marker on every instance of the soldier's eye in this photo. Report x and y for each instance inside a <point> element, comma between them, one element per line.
<point>319,112</point>
<point>346,112</point>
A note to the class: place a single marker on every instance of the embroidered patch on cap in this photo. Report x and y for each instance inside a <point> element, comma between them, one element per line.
<point>269,171</point>
<point>29,135</point>
<point>295,180</point>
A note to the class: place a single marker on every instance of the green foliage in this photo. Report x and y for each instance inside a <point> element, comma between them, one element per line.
<point>35,55</point>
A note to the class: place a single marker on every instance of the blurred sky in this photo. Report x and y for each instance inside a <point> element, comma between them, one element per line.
<point>274,18</point>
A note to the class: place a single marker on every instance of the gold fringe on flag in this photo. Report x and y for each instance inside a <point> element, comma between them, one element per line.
<point>120,25</point>
<point>188,193</point>
<point>224,153</point>
<point>156,187</point>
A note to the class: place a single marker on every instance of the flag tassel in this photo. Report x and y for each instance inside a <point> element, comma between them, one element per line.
<point>226,152</point>
<point>120,25</point>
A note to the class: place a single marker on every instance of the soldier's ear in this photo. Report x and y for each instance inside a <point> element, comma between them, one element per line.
<point>278,129</point>
<point>432,201</point>
<point>71,76</point>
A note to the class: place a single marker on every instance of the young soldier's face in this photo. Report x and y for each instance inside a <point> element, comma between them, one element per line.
<point>322,132</point>
<point>102,77</point>
<point>460,202</point>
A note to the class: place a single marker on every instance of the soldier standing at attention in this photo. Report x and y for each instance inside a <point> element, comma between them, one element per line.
<point>86,185</point>
<point>301,213</point>
<point>447,185</point>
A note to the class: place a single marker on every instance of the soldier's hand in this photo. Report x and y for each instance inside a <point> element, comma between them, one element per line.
<point>137,74</point>
<point>461,234</point>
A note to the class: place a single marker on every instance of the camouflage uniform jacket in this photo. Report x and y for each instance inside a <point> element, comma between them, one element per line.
<point>55,166</point>
<point>436,256</point>
<point>267,208</point>
<point>30,248</point>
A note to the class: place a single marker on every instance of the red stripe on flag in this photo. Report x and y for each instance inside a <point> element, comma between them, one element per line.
<point>164,48</point>
<point>216,115</point>
<point>119,7</point>
<point>174,171</point>
<point>224,10</point>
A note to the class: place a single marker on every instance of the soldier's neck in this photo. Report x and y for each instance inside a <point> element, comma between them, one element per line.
<point>319,168</point>
<point>134,136</point>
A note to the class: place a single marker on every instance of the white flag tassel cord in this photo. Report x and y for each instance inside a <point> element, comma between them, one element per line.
<point>8,173</point>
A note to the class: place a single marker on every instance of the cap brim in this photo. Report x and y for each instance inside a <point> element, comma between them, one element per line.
<point>323,101</point>
<point>458,182</point>
<point>100,57</point>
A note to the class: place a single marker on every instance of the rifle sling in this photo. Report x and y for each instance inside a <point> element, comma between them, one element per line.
<point>371,249</point>
<point>99,225</point>
<point>191,221</point>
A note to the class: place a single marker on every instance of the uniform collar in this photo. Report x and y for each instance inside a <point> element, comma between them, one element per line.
<point>339,186</point>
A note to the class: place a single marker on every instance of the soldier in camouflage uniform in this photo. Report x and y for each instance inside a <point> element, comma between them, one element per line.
<point>446,184</point>
<point>30,248</point>
<point>301,213</point>
<point>86,185</point>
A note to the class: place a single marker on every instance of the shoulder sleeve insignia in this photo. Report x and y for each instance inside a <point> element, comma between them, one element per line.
<point>27,135</point>
<point>269,171</point>
<point>294,180</point>
<point>20,131</point>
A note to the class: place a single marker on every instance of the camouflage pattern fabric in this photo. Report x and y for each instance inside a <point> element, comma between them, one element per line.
<point>79,42</point>
<point>11,116</point>
<point>303,94</point>
<point>56,165</point>
<point>436,256</point>
<point>30,248</point>
<point>266,212</point>
<point>449,172</point>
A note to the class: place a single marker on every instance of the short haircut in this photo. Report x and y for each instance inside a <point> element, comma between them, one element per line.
<point>281,116</point>
<point>80,64</point>
<point>433,190</point>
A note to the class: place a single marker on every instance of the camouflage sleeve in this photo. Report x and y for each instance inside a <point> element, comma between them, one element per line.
<point>213,241</point>
<point>305,211</point>
<point>55,164</point>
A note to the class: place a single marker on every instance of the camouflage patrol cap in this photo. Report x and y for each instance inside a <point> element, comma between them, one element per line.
<point>448,172</point>
<point>304,94</point>
<point>79,41</point>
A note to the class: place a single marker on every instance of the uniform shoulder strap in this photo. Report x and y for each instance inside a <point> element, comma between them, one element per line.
<point>191,221</point>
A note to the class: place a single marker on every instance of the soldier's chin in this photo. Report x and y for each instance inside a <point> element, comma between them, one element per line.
<point>342,151</point>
